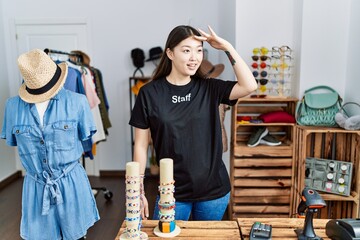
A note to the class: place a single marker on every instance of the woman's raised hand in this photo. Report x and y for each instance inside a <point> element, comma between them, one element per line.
<point>214,40</point>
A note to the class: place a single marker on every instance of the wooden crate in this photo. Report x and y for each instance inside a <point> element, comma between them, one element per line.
<point>329,143</point>
<point>262,187</point>
<point>282,228</point>
<point>212,230</point>
<point>261,176</point>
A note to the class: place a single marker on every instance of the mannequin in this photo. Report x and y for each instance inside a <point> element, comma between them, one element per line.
<point>57,199</point>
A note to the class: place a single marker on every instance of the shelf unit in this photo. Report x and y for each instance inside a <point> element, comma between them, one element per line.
<point>262,176</point>
<point>329,143</point>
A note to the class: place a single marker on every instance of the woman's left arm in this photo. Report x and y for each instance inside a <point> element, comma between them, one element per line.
<point>246,83</point>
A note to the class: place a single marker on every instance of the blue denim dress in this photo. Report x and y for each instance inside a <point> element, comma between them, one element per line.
<point>57,200</point>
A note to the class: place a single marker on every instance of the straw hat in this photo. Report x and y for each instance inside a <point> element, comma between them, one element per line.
<point>210,70</point>
<point>85,59</point>
<point>42,77</point>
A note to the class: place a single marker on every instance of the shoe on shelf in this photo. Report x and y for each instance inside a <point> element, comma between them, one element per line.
<point>270,141</point>
<point>257,135</point>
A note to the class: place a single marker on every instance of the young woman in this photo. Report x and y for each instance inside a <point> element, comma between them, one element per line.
<point>180,107</point>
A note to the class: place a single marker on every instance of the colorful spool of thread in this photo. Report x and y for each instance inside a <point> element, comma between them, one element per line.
<point>167,227</point>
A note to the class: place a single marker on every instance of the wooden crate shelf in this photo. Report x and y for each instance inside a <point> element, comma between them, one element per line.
<point>262,199</point>
<point>284,150</point>
<point>329,143</point>
<point>262,176</point>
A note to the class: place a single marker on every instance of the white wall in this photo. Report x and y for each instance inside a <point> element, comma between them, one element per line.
<point>227,29</point>
<point>324,48</point>
<point>7,154</point>
<point>324,35</point>
<point>265,23</point>
<point>352,78</point>
<point>116,27</point>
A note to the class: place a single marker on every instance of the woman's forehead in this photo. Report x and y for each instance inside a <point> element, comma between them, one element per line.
<point>190,42</point>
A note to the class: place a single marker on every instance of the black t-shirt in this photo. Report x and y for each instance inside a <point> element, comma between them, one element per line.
<point>185,126</point>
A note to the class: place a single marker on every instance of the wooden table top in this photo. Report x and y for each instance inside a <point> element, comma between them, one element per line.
<point>212,230</point>
<point>282,228</point>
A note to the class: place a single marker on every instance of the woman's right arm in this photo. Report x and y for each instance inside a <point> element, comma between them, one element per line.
<point>141,148</point>
<point>140,155</point>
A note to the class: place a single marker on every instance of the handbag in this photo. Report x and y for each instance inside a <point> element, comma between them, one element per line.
<point>318,109</point>
<point>344,120</point>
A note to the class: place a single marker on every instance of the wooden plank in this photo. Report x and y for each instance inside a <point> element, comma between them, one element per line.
<point>338,209</point>
<point>261,192</point>
<point>269,172</point>
<point>333,197</point>
<point>268,98</point>
<point>257,215</point>
<point>262,162</point>
<point>261,209</point>
<point>318,146</point>
<point>262,199</point>
<point>282,228</point>
<point>242,150</point>
<point>258,109</point>
<point>248,128</point>
<point>251,182</point>
<point>327,130</point>
<point>194,229</point>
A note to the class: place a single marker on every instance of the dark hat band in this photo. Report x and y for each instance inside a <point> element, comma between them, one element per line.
<point>48,86</point>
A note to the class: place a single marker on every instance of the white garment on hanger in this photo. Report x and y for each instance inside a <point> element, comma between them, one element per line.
<point>41,108</point>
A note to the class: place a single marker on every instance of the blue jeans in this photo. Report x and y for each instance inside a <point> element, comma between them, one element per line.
<point>212,210</point>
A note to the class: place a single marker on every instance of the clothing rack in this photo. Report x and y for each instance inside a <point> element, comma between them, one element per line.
<point>79,59</point>
<point>47,51</point>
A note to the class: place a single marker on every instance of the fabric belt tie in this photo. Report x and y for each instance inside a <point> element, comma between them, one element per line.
<point>51,189</point>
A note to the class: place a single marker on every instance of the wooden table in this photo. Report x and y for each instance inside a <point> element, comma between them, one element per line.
<point>203,230</point>
<point>282,228</point>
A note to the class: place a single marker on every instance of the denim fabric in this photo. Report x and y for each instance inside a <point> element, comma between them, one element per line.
<point>212,210</point>
<point>74,83</point>
<point>57,199</point>
<point>71,80</point>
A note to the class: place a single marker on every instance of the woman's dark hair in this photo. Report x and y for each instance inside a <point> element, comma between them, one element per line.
<point>177,35</point>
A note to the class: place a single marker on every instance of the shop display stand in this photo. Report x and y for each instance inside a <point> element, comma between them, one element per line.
<point>272,72</point>
<point>329,143</point>
<point>281,66</point>
<point>132,194</point>
<point>167,227</point>
<point>262,182</point>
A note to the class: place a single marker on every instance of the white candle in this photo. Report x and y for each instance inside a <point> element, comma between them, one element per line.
<point>166,177</point>
<point>166,170</point>
<point>132,193</point>
<point>132,169</point>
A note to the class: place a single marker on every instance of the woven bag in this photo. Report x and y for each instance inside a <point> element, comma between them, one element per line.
<point>318,109</point>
